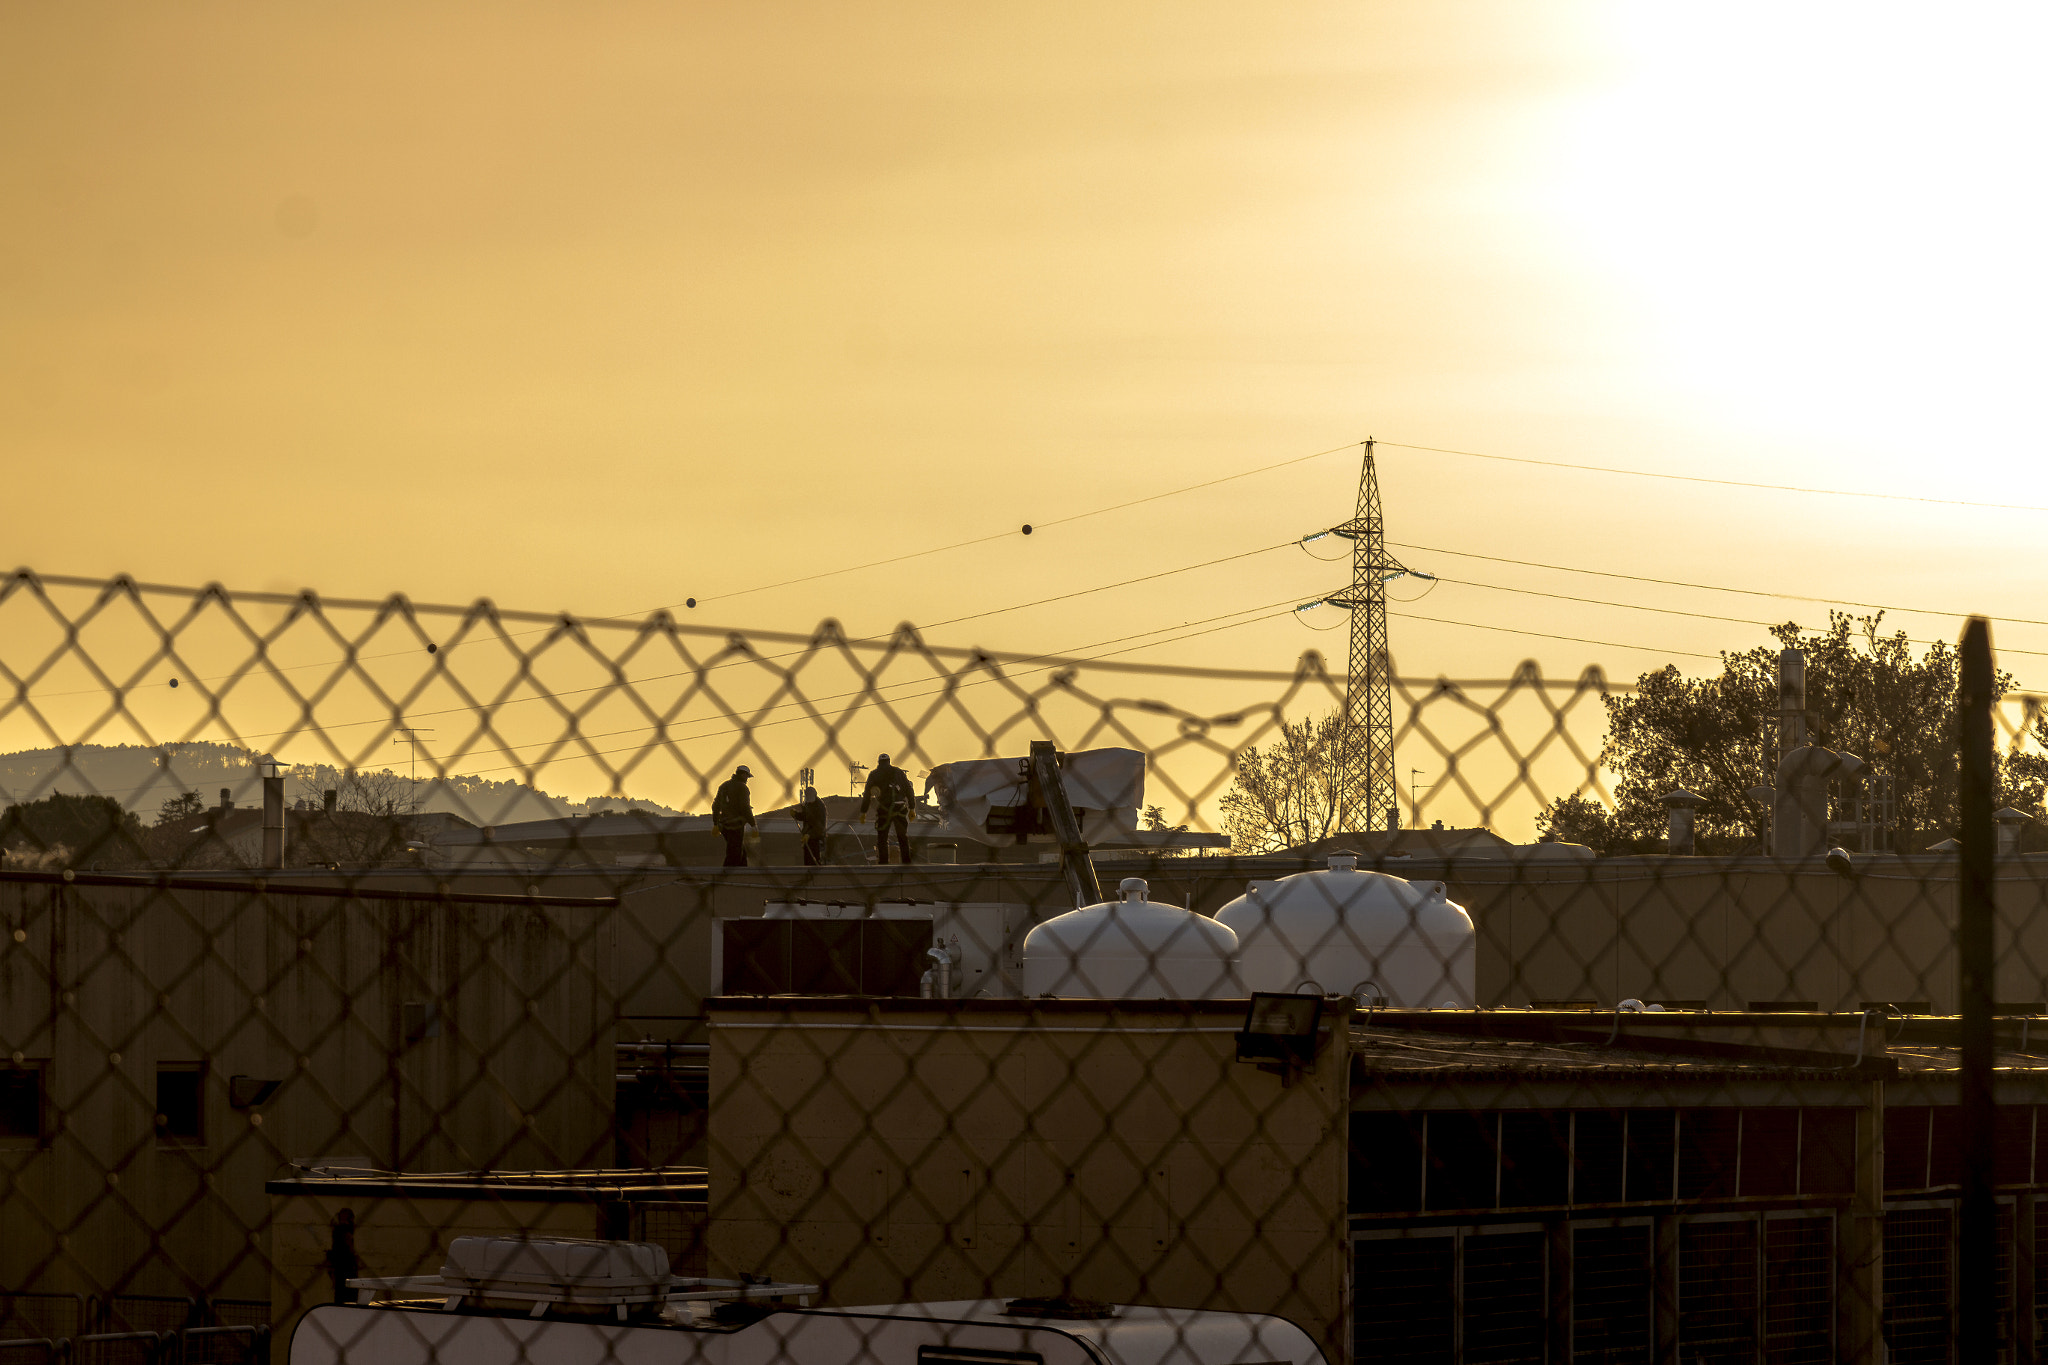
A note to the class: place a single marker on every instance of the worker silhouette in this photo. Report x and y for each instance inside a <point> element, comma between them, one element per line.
<point>889,788</point>
<point>732,810</point>
<point>810,818</point>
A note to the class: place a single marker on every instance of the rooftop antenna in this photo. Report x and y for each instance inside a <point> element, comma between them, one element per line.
<point>1414,784</point>
<point>1366,791</point>
<point>856,769</point>
<point>410,734</point>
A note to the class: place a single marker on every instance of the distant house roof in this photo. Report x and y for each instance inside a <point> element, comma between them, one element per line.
<point>1422,843</point>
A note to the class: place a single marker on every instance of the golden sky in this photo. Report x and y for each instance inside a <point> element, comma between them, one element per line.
<point>602,306</point>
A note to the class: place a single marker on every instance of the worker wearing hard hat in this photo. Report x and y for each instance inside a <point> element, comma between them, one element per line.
<point>732,810</point>
<point>889,788</point>
<point>810,819</point>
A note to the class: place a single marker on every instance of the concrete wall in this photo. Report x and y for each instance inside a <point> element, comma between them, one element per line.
<point>1726,930</point>
<point>100,987</point>
<point>1110,1150</point>
<point>1730,931</point>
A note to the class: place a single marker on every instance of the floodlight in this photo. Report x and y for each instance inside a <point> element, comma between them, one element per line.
<point>1280,1028</point>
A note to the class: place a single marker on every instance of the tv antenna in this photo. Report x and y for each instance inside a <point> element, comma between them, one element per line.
<point>410,734</point>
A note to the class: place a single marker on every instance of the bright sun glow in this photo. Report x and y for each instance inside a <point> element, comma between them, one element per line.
<point>1835,214</point>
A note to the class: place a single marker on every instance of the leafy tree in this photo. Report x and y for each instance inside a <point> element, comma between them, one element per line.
<point>1288,793</point>
<point>181,807</point>
<point>1867,693</point>
<point>1577,819</point>
<point>66,830</point>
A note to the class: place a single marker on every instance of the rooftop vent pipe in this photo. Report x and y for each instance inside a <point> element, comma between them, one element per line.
<point>1679,807</point>
<point>2011,824</point>
<point>273,818</point>
<point>1799,810</point>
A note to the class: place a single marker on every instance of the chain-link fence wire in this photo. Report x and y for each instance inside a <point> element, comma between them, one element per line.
<point>1430,1094</point>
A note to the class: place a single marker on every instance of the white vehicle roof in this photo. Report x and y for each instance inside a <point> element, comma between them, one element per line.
<point>964,1332</point>
<point>1137,1335</point>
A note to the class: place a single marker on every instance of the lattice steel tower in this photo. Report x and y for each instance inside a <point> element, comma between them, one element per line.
<point>1365,772</point>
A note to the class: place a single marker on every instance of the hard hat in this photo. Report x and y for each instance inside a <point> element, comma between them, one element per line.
<point>883,759</point>
<point>743,771</point>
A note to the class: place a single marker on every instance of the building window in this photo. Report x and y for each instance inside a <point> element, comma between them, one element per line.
<point>21,1102</point>
<point>181,1102</point>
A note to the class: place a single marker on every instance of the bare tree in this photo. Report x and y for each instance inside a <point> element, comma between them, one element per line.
<point>1288,793</point>
<point>370,823</point>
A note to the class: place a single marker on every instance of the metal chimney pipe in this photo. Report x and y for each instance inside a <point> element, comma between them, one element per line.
<point>1791,700</point>
<point>273,819</point>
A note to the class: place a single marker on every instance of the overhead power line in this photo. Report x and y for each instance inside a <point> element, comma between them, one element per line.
<point>872,639</point>
<point>1662,611</point>
<point>1708,587</point>
<point>1545,635</point>
<point>1026,530</point>
<point>1723,483</point>
<point>562,693</point>
<point>751,726</point>
<point>1036,663</point>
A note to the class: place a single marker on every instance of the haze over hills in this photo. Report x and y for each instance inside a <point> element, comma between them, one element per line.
<point>137,777</point>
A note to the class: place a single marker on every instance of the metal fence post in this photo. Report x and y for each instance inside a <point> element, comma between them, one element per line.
<point>1977,1249</point>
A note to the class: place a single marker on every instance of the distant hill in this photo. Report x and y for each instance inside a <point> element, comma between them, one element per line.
<point>134,776</point>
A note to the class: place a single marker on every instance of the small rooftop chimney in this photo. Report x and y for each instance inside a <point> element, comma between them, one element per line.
<point>1680,806</point>
<point>2011,824</point>
<point>227,798</point>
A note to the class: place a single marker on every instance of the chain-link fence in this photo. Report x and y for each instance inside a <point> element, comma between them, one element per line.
<point>367,964</point>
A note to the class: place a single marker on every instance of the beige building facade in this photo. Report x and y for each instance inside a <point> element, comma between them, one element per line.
<point>892,1150</point>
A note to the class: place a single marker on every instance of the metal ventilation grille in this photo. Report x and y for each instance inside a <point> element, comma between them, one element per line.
<point>1717,1292</point>
<point>1406,1306</point>
<point>1799,1300</point>
<point>1504,1308</point>
<point>1612,1284</point>
<point>1919,1322</point>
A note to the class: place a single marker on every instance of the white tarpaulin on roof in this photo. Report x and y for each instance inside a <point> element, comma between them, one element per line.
<point>1108,784</point>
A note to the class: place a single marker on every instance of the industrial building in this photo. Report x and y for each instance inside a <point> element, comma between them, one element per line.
<point>1491,1185</point>
<point>173,1048</point>
<point>1418,1177</point>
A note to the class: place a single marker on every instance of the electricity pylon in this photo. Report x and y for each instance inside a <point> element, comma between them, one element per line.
<point>1365,765</point>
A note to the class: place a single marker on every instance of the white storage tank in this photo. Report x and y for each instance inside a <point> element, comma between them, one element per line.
<point>1131,948</point>
<point>1342,931</point>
